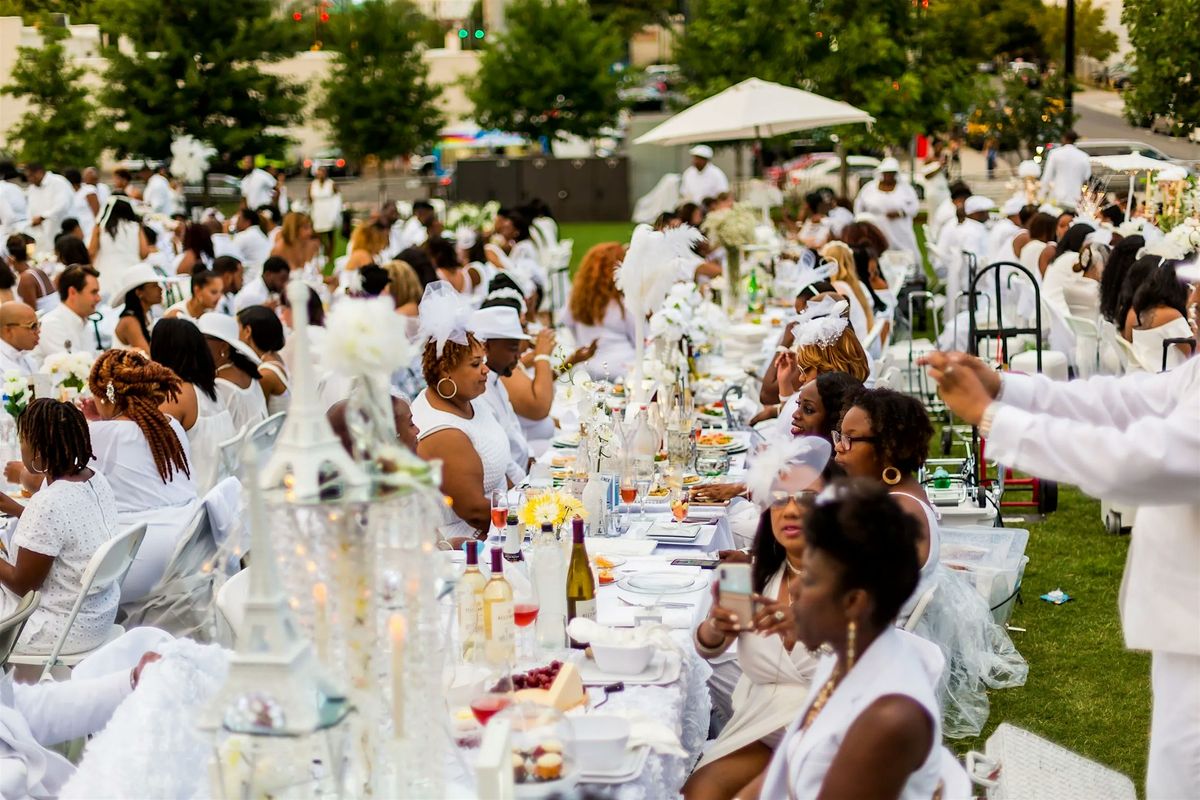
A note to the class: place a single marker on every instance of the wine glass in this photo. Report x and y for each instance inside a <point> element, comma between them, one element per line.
<point>643,491</point>
<point>494,695</point>
<point>629,490</point>
<point>679,505</point>
<point>525,612</point>
<point>499,510</point>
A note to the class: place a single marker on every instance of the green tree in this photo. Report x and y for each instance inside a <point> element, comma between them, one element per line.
<point>1166,56</point>
<point>196,68</point>
<point>60,126</point>
<point>1092,38</point>
<point>378,100</point>
<point>1021,116</point>
<point>630,16</point>
<point>33,10</point>
<point>550,73</point>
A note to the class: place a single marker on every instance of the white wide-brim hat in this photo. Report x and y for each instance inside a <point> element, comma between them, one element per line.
<point>1012,206</point>
<point>889,164</point>
<point>1029,169</point>
<point>702,151</point>
<point>976,203</point>
<point>496,322</point>
<point>224,327</point>
<point>138,275</point>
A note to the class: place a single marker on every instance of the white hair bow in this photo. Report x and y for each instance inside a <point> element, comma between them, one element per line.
<point>443,315</point>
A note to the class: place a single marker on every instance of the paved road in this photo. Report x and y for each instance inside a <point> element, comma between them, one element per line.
<point>1100,118</point>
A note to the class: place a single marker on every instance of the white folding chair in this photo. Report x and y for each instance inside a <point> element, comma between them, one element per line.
<point>11,626</point>
<point>1129,357</point>
<point>263,435</point>
<point>107,566</point>
<point>919,609</point>
<point>230,607</point>
<point>874,333</point>
<point>231,455</point>
<point>1087,345</point>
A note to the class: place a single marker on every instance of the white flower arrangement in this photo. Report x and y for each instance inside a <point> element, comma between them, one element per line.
<point>70,373</point>
<point>16,392</point>
<point>1179,243</point>
<point>365,337</point>
<point>686,314</point>
<point>732,227</point>
<point>190,158</point>
<point>469,215</point>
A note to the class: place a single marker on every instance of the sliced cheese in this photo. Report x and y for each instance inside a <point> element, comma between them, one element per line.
<point>564,694</point>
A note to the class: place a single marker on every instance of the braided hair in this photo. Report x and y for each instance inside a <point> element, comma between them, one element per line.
<point>57,433</point>
<point>139,387</point>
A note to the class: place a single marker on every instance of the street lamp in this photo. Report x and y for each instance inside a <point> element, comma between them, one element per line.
<point>1069,64</point>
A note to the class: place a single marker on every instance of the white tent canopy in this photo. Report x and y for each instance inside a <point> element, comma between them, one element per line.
<point>753,109</point>
<point>1130,162</point>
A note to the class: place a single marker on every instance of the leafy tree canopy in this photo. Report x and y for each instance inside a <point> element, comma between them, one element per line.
<point>1166,56</point>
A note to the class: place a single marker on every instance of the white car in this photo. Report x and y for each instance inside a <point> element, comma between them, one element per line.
<point>823,172</point>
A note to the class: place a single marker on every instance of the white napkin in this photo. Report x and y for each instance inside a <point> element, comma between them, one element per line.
<point>620,547</point>
<point>645,730</point>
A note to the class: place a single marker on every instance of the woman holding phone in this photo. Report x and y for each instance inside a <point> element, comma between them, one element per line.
<point>752,606</point>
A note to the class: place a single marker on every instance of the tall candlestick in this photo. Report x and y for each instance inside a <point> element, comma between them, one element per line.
<point>321,621</point>
<point>397,628</point>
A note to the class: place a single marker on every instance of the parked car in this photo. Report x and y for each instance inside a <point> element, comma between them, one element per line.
<point>1119,182</point>
<point>655,89</point>
<point>822,171</point>
<point>332,160</point>
<point>1118,76</point>
<point>221,188</point>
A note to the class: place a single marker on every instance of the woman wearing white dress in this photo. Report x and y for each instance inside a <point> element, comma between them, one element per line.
<point>33,286</point>
<point>455,424</point>
<point>1061,270</point>
<point>139,291</point>
<point>178,345</point>
<point>894,203</point>
<point>776,671</point>
<point>237,371</point>
<point>208,289</point>
<point>117,242</point>
<point>196,249</point>
<point>325,205</point>
<point>60,529</point>
<point>1160,307</point>
<point>144,454</point>
<point>262,332</point>
<point>1037,253</point>
<point>870,726</point>
<point>596,313</point>
<point>845,280</point>
<point>1082,295</point>
<point>85,205</point>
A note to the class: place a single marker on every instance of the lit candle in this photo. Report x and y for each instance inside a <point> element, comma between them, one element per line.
<point>321,621</point>
<point>397,628</point>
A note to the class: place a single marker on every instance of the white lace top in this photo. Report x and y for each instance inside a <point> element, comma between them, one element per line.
<point>486,435</point>
<point>69,520</point>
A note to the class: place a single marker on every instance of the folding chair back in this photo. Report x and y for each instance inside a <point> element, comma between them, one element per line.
<point>263,435</point>
<point>1087,345</point>
<point>11,626</point>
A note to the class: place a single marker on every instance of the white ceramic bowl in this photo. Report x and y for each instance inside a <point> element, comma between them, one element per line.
<point>622,659</point>
<point>600,742</point>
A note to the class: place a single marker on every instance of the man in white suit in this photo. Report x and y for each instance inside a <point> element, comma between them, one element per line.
<point>1134,439</point>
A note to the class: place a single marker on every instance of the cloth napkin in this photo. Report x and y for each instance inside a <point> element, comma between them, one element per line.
<point>645,730</point>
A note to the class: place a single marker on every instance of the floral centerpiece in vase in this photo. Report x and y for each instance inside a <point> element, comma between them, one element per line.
<point>69,374</point>
<point>16,393</point>
<point>554,507</point>
<point>732,228</point>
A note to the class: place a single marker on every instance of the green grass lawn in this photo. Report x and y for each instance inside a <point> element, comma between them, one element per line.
<point>588,234</point>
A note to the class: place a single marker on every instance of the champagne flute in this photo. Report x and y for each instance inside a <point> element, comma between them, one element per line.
<point>643,490</point>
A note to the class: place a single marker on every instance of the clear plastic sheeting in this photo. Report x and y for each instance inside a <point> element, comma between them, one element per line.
<point>979,653</point>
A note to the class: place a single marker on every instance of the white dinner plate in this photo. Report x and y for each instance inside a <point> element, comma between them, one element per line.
<point>659,583</point>
<point>626,771</point>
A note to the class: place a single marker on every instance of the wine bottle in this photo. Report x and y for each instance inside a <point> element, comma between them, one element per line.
<point>593,503</point>
<point>581,587</point>
<point>468,598</point>
<point>499,628</point>
<point>513,537</point>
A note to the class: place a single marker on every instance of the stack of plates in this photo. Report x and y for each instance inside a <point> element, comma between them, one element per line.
<point>673,533</point>
<point>626,771</point>
<point>660,583</point>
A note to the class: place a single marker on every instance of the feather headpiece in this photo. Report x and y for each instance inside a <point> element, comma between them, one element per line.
<point>801,460</point>
<point>443,315</point>
<point>651,264</point>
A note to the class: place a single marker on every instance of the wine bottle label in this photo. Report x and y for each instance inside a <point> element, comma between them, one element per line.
<point>500,630</point>
<point>581,608</point>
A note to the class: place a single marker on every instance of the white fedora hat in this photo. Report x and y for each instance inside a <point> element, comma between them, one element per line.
<point>138,275</point>
<point>976,203</point>
<point>889,164</point>
<point>702,151</point>
<point>224,327</point>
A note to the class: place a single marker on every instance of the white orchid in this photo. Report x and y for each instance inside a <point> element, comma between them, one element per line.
<point>365,337</point>
<point>69,370</point>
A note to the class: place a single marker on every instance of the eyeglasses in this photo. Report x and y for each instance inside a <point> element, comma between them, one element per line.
<point>779,499</point>
<point>29,326</point>
<point>843,442</point>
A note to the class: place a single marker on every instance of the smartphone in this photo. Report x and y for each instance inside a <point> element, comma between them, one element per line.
<point>734,593</point>
<point>702,563</point>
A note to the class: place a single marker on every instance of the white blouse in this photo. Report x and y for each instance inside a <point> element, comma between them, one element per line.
<point>69,520</point>
<point>213,425</point>
<point>615,342</point>
<point>247,406</point>
<point>487,437</point>
<point>123,455</point>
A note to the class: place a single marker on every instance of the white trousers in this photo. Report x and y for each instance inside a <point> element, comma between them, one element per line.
<point>1174,769</point>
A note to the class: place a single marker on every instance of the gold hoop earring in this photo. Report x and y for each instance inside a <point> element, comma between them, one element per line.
<point>891,476</point>
<point>851,636</point>
<point>34,468</point>
<point>438,388</point>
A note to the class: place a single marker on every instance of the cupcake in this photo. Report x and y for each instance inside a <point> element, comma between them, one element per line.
<point>549,746</point>
<point>548,767</point>
<point>518,765</point>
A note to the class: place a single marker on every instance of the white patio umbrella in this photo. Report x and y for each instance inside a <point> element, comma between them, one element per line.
<point>1131,164</point>
<point>753,109</point>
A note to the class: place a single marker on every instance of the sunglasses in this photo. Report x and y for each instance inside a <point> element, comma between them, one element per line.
<point>780,498</point>
<point>29,326</point>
